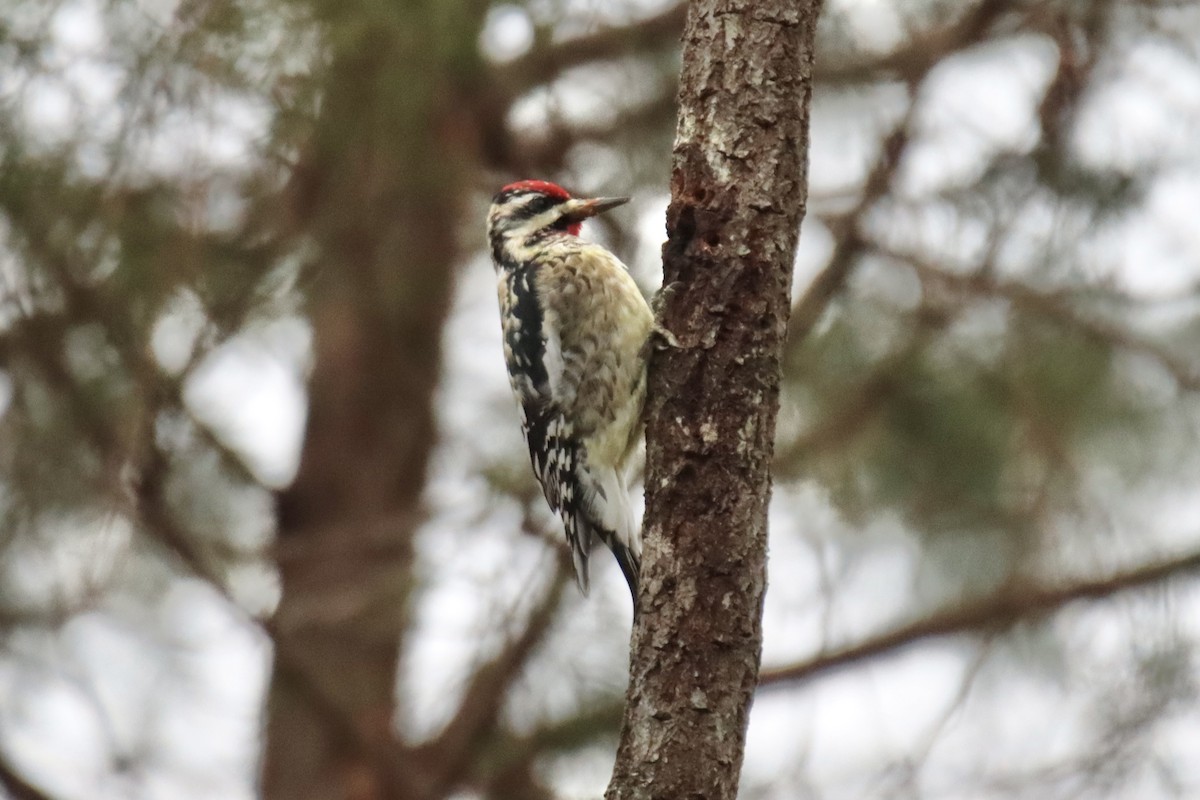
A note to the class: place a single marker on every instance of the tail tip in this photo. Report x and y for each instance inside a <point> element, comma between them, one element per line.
<point>631,568</point>
<point>580,560</point>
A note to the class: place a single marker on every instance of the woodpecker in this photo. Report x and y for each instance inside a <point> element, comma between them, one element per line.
<point>575,331</point>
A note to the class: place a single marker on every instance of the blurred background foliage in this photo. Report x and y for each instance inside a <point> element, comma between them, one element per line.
<point>255,432</point>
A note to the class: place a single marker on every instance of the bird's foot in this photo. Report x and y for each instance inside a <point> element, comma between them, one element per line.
<point>659,303</point>
<point>664,339</point>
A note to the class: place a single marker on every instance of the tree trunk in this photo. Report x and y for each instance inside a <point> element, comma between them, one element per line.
<point>738,192</point>
<point>378,192</point>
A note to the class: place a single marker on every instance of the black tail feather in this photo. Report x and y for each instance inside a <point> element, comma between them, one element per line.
<point>582,532</point>
<point>631,568</point>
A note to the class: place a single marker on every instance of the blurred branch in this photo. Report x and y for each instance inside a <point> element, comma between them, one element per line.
<point>43,333</point>
<point>856,405</point>
<point>548,61</point>
<point>41,337</point>
<point>849,241</point>
<point>17,787</point>
<point>1001,611</point>
<point>545,152</point>
<point>920,51</point>
<point>1073,71</point>
<point>520,782</point>
<point>846,229</point>
<point>510,756</point>
<point>159,522</point>
<point>1056,307</point>
<point>578,730</point>
<point>455,747</point>
<point>967,32</point>
<point>524,155</point>
<point>48,617</point>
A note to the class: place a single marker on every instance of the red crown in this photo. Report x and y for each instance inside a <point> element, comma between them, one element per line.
<point>545,187</point>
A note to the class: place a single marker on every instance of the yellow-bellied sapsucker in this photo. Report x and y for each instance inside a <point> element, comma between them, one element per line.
<point>575,332</point>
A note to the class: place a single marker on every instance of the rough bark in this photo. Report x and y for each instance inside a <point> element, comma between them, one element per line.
<point>738,191</point>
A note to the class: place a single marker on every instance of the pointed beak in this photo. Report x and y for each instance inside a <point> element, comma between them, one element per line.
<point>582,209</point>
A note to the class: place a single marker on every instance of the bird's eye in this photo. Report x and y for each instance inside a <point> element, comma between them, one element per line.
<point>539,206</point>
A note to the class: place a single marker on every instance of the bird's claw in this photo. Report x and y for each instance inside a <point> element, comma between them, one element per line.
<point>664,339</point>
<point>658,304</point>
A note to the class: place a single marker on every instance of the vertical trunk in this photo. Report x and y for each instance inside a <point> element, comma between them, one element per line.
<point>378,194</point>
<point>738,191</point>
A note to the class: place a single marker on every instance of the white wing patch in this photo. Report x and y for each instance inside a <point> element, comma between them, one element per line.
<point>553,358</point>
<point>607,502</point>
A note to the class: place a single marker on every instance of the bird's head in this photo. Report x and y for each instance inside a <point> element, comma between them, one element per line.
<point>528,208</point>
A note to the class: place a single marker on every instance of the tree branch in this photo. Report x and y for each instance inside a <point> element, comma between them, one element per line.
<point>920,50</point>
<point>972,28</point>
<point>1054,306</point>
<point>508,753</point>
<point>857,405</point>
<point>830,280</point>
<point>455,747</point>
<point>999,612</point>
<point>548,61</point>
<point>544,152</point>
<point>17,787</point>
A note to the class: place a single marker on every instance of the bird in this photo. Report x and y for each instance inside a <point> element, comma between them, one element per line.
<point>575,331</point>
